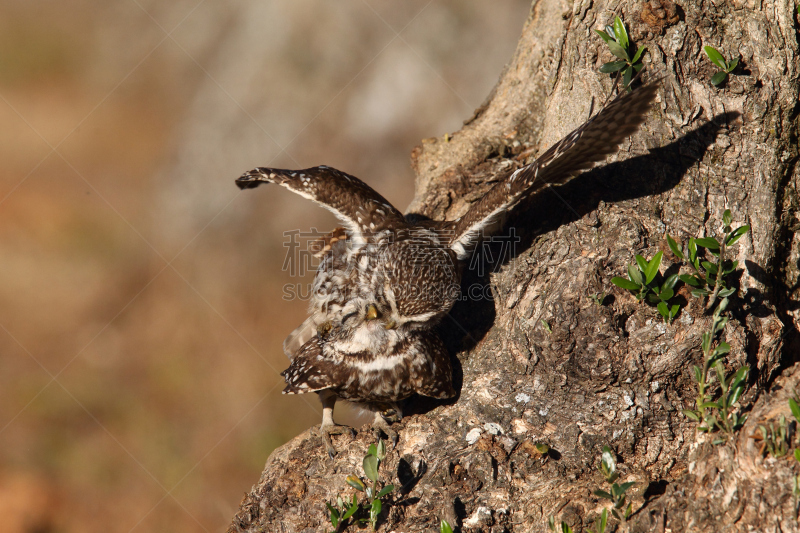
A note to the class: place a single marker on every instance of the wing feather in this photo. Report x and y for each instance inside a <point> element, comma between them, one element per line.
<point>579,150</point>
<point>362,210</point>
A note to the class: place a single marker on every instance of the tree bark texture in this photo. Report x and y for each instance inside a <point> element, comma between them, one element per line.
<point>541,361</point>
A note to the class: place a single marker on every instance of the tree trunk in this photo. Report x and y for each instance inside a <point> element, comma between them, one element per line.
<point>542,361</point>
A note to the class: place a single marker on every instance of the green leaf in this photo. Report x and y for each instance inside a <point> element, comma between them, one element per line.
<point>699,293</point>
<point>670,282</point>
<point>619,31</point>
<point>612,66</point>
<point>692,415</point>
<point>603,494</point>
<point>674,247</point>
<point>625,283</point>
<point>618,51</point>
<point>797,454</point>
<point>334,515</point>
<point>709,405</point>
<point>627,76</point>
<point>663,310</point>
<point>698,373</point>
<point>719,77</point>
<point>354,482</point>
<point>722,348</point>
<point>711,268</point>
<point>603,35</point>
<point>375,510</point>
<point>444,527</point>
<point>730,266</point>
<point>666,294</point>
<point>638,54</point>
<point>715,57</point>
<point>726,292</point>
<point>673,311</point>
<point>372,450</point>
<point>565,528</point>
<point>625,486</point>
<point>381,451</point>
<point>542,447</point>
<point>726,217</point>
<point>384,491</point>
<point>740,376</point>
<point>692,250</point>
<point>735,393</point>
<point>608,460</point>
<point>707,242</point>
<point>603,521</point>
<point>736,235</point>
<point>371,467</point>
<point>690,280</point>
<point>641,262</point>
<point>732,64</point>
<point>351,510</point>
<point>652,267</point>
<point>635,275</point>
<point>795,408</point>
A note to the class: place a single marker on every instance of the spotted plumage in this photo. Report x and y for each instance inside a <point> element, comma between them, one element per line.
<point>385,279</point>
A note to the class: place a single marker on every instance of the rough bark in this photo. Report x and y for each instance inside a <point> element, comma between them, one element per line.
<point>611,374</point>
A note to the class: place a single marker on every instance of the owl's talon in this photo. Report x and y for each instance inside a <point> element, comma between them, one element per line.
<point>380,427</point>
<point>334,429</point>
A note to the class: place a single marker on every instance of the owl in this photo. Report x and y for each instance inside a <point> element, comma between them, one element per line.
<point>385,279</point>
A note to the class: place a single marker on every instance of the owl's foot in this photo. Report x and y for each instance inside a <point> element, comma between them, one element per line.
<point>380,425</point>
<point>326,430</point>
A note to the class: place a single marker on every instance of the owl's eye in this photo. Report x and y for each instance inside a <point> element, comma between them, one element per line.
<point>348,316</point>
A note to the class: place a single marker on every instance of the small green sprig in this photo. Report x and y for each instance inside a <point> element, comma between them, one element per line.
<point>640,276</point>
<point>444,527</point>
<point>616,37</point>
<point>709,277</point>
<point>642,281</point>
<point>551,524</point>
<point>726,66</point>
<point>608,467</point>
<point>720,414</point>
<point>774,438</point>
<point>340,514</point>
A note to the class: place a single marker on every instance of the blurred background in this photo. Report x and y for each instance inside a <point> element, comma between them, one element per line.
<point>141,293</point>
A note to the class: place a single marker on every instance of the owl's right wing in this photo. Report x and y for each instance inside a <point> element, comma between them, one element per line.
<point>357,205</point>
<point>580,150</point>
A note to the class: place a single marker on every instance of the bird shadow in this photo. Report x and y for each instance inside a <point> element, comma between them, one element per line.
<point>660,170</point>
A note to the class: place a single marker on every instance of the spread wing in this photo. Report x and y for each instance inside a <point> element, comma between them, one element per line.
<point>580,150</point>
<point>362,210</point>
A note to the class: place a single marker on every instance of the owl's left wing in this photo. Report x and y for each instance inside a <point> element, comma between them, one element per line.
<point>362,210</point>
<point>579,150</point>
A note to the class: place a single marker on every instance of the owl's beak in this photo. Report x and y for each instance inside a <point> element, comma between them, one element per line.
<point>372,312</point>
